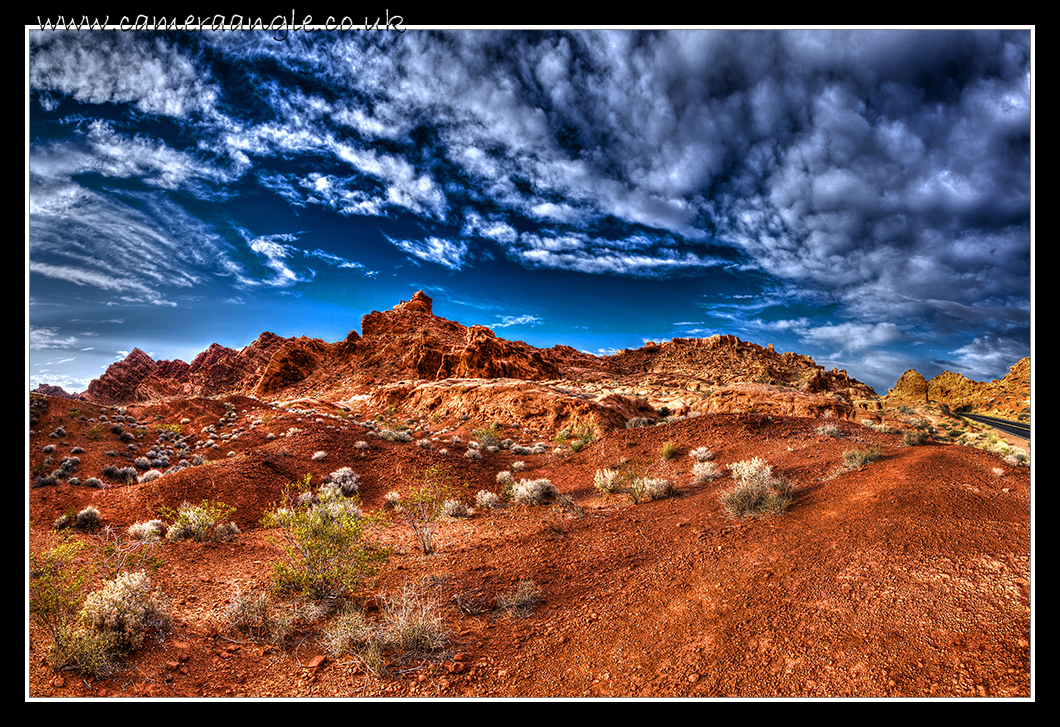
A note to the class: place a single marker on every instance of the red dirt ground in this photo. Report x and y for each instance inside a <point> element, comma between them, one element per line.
<point>909,577</point>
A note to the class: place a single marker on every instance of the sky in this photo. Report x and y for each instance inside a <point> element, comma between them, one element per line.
<point>860,196</point>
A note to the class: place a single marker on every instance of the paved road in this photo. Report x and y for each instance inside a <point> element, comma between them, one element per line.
<point>1016,429</point>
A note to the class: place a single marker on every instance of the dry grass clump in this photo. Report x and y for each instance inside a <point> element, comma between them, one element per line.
<point>411,626</point>
<point>758,491</point>
<point>254,615</point>
<point>650,488</point>
<point>533,492</point>
<point>521,601</point>
<point>855,458</point>
<point>704,472</point>
<point>608,481</point>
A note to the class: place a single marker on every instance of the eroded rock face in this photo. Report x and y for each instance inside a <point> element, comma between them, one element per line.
<point>911,388</point>
<point>1008,397</point>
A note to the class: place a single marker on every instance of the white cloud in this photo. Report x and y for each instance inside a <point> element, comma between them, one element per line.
<point>446,253</point>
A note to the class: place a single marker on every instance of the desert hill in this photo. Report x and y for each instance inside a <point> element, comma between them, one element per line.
<point>900,566</point>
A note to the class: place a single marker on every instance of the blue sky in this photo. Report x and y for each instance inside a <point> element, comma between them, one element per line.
<point>860,196</point>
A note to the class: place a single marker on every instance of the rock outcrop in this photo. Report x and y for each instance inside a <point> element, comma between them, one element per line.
<point>1008,397</point>
<point>410,360</point>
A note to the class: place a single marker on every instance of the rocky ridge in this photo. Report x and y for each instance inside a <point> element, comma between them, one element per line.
<point>410,360</point>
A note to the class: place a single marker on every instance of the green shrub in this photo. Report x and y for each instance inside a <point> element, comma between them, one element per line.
<point>758,491</point>
<point>323,549</point>
<point>424,503</point>
<point>668,451</point>
<point>56,586</point>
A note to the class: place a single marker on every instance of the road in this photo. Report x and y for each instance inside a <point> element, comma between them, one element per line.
<point>1016,429</point>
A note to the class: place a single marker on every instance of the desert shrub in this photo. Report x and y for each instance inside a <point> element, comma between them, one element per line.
<point>667,451</point>
<point>254,615</point>
<point>829,430</point>
<point>608,481</point>
<point>521,450</point>
<point>150,475</point>
<point>473,454</point>
<point>486,499</point>
<point>424,502</point>
<point>703,472</point>
<point>87,519</point>
<point>913,437</point>
<point>395,435</point>
<point>487,436</point>
<point>1017,459</point>
<point>203,522</point>
<point>518,466</point>
<point>521,601</point>
<point>317,456</point>
<point>392,499</point>
<point>505,477</point>
<point>346,480</point>
<point>454,508</point>
<point>125,610</point>
<point>323,549</point>
<point>757,492</point>
<point>533,492</point>
<point>855,458</point>
<point>149,531</point>
<point>639,422</point>
<point>701,454</point>
<point>56,587</point>
<point>650,488</point>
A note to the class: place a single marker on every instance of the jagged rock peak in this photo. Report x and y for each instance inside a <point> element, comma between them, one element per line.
<point>420,303</point>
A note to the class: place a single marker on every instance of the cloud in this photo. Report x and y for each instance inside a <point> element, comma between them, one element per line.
<point>988,357</point>
<point>446,253</point>
<point>523,320</point>
<point>42,337</point>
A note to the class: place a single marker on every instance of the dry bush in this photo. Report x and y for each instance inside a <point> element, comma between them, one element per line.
<point>758,491</point>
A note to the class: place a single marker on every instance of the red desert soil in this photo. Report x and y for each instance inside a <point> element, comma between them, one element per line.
<point>908,577</point>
